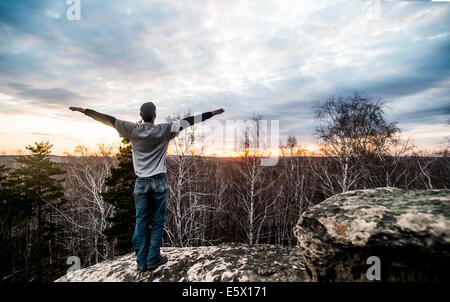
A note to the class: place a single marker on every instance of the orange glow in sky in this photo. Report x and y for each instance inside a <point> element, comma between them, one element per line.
<point>274,58</point>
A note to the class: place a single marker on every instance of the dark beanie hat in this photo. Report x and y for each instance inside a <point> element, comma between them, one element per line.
<point>148,111</point>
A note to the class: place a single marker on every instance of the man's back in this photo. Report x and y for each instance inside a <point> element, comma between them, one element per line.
<point>149,145</point>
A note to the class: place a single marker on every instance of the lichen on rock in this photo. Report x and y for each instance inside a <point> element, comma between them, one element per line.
<point>227,262</point>
<point>409,230</point>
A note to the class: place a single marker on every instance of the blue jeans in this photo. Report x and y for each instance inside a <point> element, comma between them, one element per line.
<point>150,197</point>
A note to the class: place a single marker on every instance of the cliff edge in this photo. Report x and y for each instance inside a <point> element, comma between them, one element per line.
<point>228,262</point>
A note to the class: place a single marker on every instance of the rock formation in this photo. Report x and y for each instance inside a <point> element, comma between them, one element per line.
<point>231,262</point>
<point>408,230</point>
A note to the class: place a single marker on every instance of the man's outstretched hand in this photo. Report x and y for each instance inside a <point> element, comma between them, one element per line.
<point>218,111</point>
<point>79,109</point>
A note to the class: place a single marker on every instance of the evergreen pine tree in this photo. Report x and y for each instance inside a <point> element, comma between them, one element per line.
<point>120,194</point>
<point>5,194</point>
<point>6,214</point>
<point>38,194</point>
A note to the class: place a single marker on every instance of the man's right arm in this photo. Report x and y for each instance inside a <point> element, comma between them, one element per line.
<point>184,123</point>
<point>191,120</point>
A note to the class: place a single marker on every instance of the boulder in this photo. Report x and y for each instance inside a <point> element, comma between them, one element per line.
<point>229,262</point>
<point>408,230</point>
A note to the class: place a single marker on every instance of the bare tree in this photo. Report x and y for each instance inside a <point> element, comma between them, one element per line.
<point>394,167</point>
<point>256,194</point>
<point>353,134</point>
<point>187,209</point>
<point>85,217</point>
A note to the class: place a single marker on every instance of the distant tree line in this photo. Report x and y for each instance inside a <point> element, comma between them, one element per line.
<point>85,207</point>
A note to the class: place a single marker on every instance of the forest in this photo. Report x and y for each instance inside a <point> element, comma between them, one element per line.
<point>83,205</point>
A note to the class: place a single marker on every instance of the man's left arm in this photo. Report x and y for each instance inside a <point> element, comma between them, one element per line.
<point>103,118</point>
<point>124,128</point>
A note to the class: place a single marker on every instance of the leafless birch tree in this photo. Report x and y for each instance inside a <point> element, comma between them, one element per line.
<point>85,217</point>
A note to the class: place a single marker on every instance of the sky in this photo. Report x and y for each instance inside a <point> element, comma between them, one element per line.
<point>275,58</point>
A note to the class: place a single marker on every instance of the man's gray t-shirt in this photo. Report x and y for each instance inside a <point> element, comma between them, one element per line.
<point>149,145</point>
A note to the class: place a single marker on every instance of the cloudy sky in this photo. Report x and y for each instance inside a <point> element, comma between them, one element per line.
<point>275,58</point>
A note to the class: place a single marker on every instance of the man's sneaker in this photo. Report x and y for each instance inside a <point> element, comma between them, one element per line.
<point>141,269</point>
<point>155,265</point>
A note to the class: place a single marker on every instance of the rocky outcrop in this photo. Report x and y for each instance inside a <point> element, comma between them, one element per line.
<point>409,231</point>
<point>231,262</point>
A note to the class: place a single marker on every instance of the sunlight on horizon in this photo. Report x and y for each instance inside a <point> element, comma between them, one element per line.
<point>272,58</point>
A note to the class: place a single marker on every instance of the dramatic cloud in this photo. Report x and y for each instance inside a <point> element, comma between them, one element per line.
<point>277,58</point>
<point>52,96</point>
